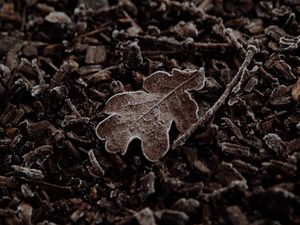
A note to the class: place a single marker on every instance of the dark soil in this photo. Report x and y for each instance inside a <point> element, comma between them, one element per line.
<point>59,63</point>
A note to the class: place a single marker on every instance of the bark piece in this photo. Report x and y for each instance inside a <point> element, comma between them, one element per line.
<point>236,216</point>
<point>296,90</point>
<point>145,217</point>
<point>95,54</point>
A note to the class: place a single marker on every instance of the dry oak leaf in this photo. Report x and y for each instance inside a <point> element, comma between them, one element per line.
<point>148,115</point>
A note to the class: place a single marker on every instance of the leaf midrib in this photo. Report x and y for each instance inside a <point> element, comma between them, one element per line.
<point>168,95</point>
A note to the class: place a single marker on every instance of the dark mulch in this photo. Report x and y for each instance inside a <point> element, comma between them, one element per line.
<point>57,62</point>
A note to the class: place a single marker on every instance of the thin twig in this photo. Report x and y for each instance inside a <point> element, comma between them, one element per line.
<point>252,50</point>
<point>47,186</point>
<point>242,52</point>
<point>183,45</point>
<point>205,5</point>
<point>39,71</point>
<point>72,107</point>
<point>244,77</point>
<point>9,17</point>
<point>96,31</point>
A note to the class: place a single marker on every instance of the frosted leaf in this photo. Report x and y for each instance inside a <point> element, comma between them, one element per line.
<point>148,115</point>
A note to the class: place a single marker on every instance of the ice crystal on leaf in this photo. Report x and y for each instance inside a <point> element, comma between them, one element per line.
<point>148,115</point>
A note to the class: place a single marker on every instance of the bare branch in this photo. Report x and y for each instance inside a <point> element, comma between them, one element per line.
<point>252,50</point>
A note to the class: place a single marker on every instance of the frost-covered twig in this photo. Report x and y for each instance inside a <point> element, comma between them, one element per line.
<point>232,37</point>
<point>252,50</point>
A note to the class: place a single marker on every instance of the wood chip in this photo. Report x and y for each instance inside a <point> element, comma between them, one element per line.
<point>296,90</point>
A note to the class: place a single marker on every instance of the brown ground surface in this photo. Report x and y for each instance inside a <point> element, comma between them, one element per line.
<point>58,59</point>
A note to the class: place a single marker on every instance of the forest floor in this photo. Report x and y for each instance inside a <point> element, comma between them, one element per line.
<point>58,60</point>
